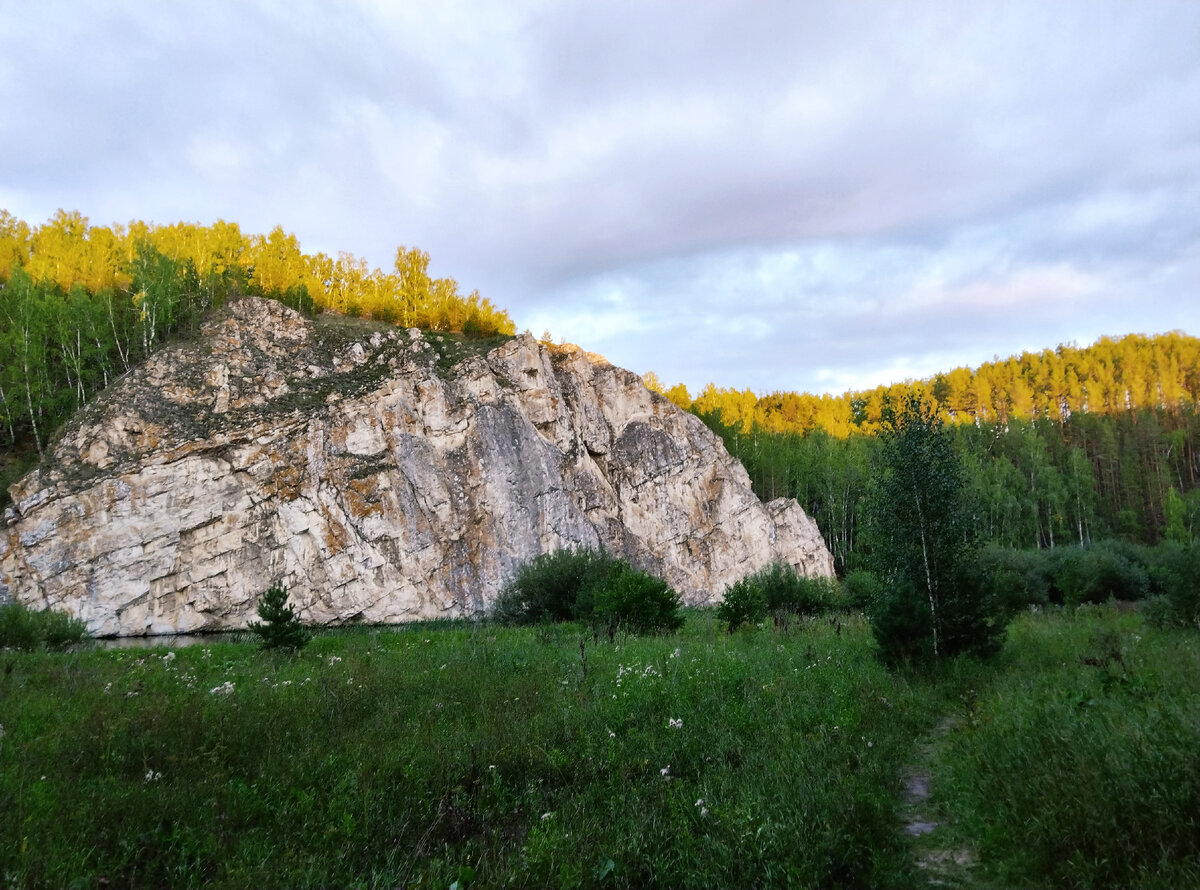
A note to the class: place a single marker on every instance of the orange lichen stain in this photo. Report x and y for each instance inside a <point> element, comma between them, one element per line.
<point>362,498</point>
<point>336,536</point>
<point>287,481</point>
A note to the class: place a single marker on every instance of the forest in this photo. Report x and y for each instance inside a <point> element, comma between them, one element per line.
<point>81,304</point>
<point>1068,446</point>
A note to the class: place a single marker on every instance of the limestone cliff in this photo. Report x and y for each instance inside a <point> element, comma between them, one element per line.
<point>376,477</point>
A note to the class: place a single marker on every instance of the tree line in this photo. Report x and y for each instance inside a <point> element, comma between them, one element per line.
<point>1066,446</point>
<point>81,304</point>
<point>1112,376</point>
<point>1030,483</point>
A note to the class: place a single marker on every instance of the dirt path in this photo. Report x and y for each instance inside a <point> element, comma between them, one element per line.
<point>945,865</point>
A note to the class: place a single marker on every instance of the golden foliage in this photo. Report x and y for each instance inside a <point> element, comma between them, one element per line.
<point>1112,375</point>
<point>68,251</point>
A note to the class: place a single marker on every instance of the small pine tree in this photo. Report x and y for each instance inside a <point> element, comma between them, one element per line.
<point>280,628</point>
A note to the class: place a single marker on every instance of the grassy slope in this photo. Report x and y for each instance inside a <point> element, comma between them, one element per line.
<point>403,758</point>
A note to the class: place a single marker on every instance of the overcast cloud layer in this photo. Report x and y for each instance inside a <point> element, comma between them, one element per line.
<point>805,196</point>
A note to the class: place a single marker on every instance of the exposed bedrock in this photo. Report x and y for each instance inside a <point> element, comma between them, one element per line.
<point>375,477</point>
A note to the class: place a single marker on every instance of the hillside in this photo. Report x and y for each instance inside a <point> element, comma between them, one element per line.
<point>80,305</point>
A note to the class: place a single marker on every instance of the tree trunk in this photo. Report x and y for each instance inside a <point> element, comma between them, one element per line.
<point>933,616</point>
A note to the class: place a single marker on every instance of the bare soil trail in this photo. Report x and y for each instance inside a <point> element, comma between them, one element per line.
<point>945,864</point>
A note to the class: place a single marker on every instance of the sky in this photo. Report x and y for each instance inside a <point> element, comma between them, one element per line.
<point>804,196</point>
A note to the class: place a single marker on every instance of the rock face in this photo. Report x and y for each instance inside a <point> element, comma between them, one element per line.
<point>376,477</point>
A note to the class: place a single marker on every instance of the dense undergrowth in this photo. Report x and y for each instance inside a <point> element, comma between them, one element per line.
<point>540,757</point>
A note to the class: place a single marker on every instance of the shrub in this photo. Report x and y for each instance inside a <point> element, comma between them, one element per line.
<point>744,603</point>
<point>554,586</point>
<point>901,623</point>
<point>280,627</point>
<point>786,590</point>
<point>637,602</point>
<point>781,590</point>
<point>972,622</point>
<point>1017,578</point>
<point>588,585</point>
<point>1097,574</point>
<point>474,329</point>
<point>1175,581</point>
<point>23,628</point>
<point>860,588</point>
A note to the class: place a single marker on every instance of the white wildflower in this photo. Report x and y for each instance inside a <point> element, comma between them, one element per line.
<point>153,775</point>
<point>703,808</point>
<point>675,724</point>
<point>665,772</point>
<point>546,816</point>
<point>168,658</point>
<point>334,659</point>
<point>225,688</point>
<point>675,654</point>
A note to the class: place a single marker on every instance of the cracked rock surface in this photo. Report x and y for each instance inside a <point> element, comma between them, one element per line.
<point>375,476</point>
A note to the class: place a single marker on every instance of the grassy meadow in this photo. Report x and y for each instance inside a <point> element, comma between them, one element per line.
<point>481,756</point>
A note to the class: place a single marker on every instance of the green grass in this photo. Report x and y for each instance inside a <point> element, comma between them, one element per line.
<point>512,757</point>
<point>1079,766</point>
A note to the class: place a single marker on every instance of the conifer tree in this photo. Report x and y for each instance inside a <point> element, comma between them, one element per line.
<point>280,627</point>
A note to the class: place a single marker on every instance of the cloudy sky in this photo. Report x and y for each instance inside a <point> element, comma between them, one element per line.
<point>803,196</point>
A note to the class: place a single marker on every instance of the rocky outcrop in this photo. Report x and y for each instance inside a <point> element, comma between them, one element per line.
<point>377,473</point>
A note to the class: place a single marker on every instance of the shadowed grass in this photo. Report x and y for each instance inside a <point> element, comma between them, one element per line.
<point>535,757</point>
<point>1080,765</point>
<point>382,759</point>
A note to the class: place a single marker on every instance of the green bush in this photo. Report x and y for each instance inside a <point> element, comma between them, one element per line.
<point>1017,578</point>
<point>637,602</point>
<point>1097,574</point>
<point>280,627</point>
<point>743,603</point>
<point>786,590</point>
<point>859,588</point>
<point>23,628</point>
<point>973,622</point>
<point>780,590</point>
<point>1175,581</point>
<point>901,623</point>
<point>588,585</point>
<point>554,586</point>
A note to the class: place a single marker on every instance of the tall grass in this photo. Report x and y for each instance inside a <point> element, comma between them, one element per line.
<point>537,757</point>
<point>1079,766</point>
<point>532,757</point>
